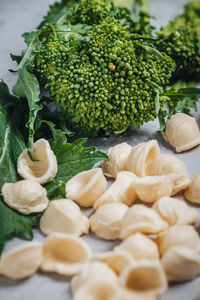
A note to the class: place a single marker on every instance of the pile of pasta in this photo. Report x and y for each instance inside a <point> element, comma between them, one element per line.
<point>159,243</point>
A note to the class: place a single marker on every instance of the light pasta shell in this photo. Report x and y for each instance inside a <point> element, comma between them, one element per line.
<point>106,221</point>
<point>192,193</point>
<point>64,254</point>
<point>22,261</point>
<point>141,157</point>
<point>64,216</point>
<point>165,164</point>
<point>121,191</point>
<point>182,132</point>
<point>26,196</point>
<point>44,169</point>
<point>140,218</point>
<point>117,160</point>
<point>181,263</point>
<point>178,235</point>
<point>175,211</point>
<point>124,294</point>
<point>86,187</point>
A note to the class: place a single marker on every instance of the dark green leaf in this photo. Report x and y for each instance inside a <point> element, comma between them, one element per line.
<point>55,190</point>
<point>183,92</point>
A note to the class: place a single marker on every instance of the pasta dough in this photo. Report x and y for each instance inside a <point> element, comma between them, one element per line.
<point>192,193</point>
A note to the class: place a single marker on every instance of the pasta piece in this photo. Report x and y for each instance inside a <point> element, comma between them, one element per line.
<point>182,132</point>
<point>175,211</point>
<point>121,191</point>
<point>26,196</point>
<point>165,164</point>
<point>178,235</point>
<point>139,247</point>
<point>192,193</point>
<point>106,221</point>
<point>124,294</point>
<point>22,261</point>
<point>141,157</point>
<point>86,187</point>
<point>140,218</point>
<point>44,169</point>
<point>64,216</point>
<point>117,160</point>
<point>181,263</point>
<point>64,254</point>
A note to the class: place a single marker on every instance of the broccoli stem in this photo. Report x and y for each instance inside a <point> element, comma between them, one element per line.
<point>144,5</point>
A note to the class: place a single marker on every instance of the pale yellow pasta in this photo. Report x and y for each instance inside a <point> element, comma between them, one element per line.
<point>141,157</point>
<point>140,218</point>
<point>64,254</point>
<point>86,187</point>
<point>64,216</point>
<point>165,164</point>
<point>192,193</point>
<point>44,169</point>
<point>121,191</point>
<point>175,211</point>
<point>22,261</point>
<point>124,294</point>
<point>106,221</point>
<point>182,132</point>
<point>117,160</point>
<point>181,263</point>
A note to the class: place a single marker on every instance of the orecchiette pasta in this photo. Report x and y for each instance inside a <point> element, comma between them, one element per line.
<point>22,261</point>
<point>192,193</point>
<point>181,263</point>
<point>64,216</point>
<point>121,191</point>
<point>106,221</point>
<point>124,294</point>
<point>141,157</point>
<point>182,132</point>
<point>175,211</point>
<point>26,196</point>
<point>64,254</point>
<point>44,169</point>
<point>117,160</point>
<point>86,187</point>
<point>140,218</point>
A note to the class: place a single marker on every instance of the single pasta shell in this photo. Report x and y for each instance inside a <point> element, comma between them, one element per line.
<point>121,191</point>
<point>22,261</point>
<point>26,196</point>
<point>192,193</point>
<point>141,157</point>
<point>182,132</point>
<point>64,254</point>
<point>64,216</point>
<point>44,169</point>
<point>140,218</point>
<point>106,221</point>
<point>181,263</point>
<point>86,187</point>
<point>175,211</point>
<point>124,294</point>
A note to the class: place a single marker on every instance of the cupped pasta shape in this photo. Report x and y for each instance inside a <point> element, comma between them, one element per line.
<point>165,164</point>
<point>124,294</point>
<point>140,218</point>
<point>64,254</point>
<point>175,211</point>
<point>117,159</point>
<point>86,187</point>
<point>26,196</point>
<point>22,261</point>
<point>181,263</point>
<point>64,216</point>
<point>182,132</point>
<point>145,278</point>
<point>106,221</point>
<point>121,191</point>
<point>141,157</point>
<point>139,246</point>
<point>44,169</point>
<point>192,193</point>
<point>178,235</point>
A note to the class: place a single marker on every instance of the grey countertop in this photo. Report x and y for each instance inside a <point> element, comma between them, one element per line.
<point>17,17</point>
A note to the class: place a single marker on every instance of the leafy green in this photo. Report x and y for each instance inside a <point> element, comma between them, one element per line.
<point>55,189</point>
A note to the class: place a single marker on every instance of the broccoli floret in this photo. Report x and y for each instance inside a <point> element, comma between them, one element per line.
<point>180,39</point>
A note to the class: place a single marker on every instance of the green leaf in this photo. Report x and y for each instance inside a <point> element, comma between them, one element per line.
<point>55,190</point>
<point>183,92</point>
